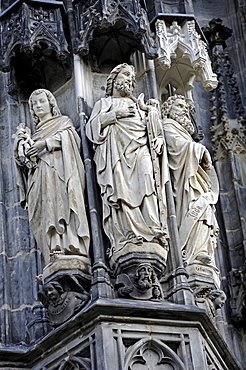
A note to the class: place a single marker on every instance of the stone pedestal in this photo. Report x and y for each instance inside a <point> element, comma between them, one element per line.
<point>61,262</point>
<point>202,275</point>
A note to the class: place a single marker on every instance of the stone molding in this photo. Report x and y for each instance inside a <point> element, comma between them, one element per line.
<point>171,331</point>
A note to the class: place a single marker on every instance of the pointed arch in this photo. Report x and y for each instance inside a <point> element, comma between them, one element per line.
<point>152,353</point>
<point>74,362</point>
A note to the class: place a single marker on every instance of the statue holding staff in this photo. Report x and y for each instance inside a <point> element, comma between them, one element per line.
<point>195,186</point>
<point>125,173</point>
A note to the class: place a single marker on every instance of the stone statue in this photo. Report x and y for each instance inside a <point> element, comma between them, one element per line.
<point>195,186</point>
<point>52,187</point>
<point>117,128</point>
<point>62,303</point>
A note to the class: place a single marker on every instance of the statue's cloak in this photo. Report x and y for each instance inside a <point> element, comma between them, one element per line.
<point>124,171</point>
<point>54,190</point>
<point>195,190</point>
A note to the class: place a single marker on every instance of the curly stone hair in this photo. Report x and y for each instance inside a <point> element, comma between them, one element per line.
<point>167,105</point>
<point>113,75</point>
<point>55,111</point>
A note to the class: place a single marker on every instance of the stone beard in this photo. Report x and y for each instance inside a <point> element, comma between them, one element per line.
<point>184,120</point>
<point>123,88</point>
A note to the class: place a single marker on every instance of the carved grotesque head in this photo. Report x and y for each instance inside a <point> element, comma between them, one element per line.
<point>47,104</point>
<point>177,109</point>
<point>145,276</point>
<point>121,79</point>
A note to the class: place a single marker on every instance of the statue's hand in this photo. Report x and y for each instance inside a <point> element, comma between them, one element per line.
<point>124,291</point>
<point>22,135</point>
<point>206,160</point>
<point>36,148</point>
<point>141,102</point>
<point>124,113</point>
<point>157,144</point>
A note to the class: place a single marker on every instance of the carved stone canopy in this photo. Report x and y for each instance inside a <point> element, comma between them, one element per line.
<point>121,26</point>
<point>182,56</point>
<point>33,41</point>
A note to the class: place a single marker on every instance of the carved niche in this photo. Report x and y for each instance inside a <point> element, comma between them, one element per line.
<point>35,37</point>
<point>228,133</point>
<point>119,25</point>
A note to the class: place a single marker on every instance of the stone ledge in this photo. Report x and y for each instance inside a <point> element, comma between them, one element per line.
<point>114,311</point>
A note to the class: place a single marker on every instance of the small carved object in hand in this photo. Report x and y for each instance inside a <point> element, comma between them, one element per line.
<point>51,179</point>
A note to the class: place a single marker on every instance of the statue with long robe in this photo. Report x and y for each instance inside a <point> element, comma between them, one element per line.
<point>117,128</point>
<point>195,185</point>
<point>53,187</point>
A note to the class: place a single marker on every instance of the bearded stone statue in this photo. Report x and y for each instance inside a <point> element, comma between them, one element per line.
<point>195,189</point>
<point>118,130</point>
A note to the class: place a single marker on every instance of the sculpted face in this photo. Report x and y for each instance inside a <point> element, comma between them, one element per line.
<point>41,106</point>
<point>180,107</point>
<point>180,113</point>
<point>145,277</point>
<point>51,292</point>
<point>219,301</point>
<point>124,81</point>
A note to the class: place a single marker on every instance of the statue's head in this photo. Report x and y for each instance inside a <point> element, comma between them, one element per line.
<point>218,297</point>
<point>176,108</point>
<point>53,290</point>
<point>121,79</point>
<point>145,276</point>
<point>48,101</point>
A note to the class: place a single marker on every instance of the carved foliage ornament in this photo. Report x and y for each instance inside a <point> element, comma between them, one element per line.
<point>31,28</point>
<point>185,46</point>
<point>216,33</point>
